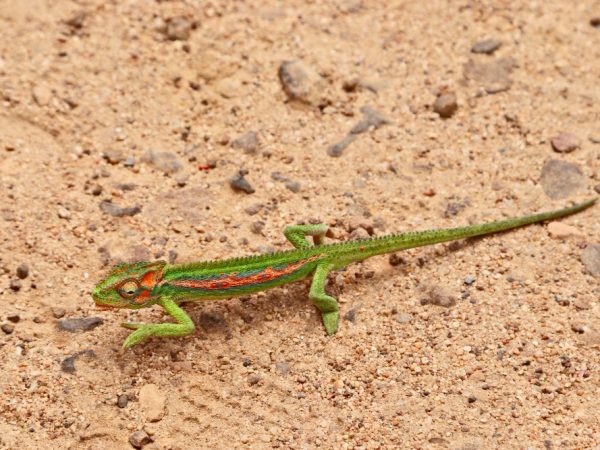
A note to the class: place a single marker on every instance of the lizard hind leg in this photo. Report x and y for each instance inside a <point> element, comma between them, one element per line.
<point>324,303</point>
<point>296,234</point>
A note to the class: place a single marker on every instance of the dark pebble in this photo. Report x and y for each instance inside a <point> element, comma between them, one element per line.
<point>172,256</point>
<point>395,260</point>
<point>253,379</point>
<point>371,118</point>
<point>254,209</point>
<point>115,210</point>
<point>257,226</point>
<point>595,22</point>
<point>8,328</point>
<point>453,208</point>
<point>561,179</point>
<point>139,438</point>
<point>14,318</point>
<point>350,316</point>
<point>239,183</point>
<point>565,142</point>
<point>338,148</point>
<point>248,142</point>
<point>80,323</point>
<point>293,186</point>
<point>68,364</point>
<point>486,46</point>
<point>58,312</point>
<point>97,190</point>
<point>122,400</point>
<point>247,362</point>
<point>113,156</point>
<point>445,105</point>
<point>471,399</point>
<point>23,271</point>
<point>15,285</point>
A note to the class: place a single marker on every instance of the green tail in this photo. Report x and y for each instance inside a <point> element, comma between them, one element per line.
<point>395,242</point>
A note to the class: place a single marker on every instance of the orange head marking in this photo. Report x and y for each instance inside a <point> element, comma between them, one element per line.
<point>129,285</point>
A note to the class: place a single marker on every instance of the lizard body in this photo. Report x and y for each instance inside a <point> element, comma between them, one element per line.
<point>143,284</point>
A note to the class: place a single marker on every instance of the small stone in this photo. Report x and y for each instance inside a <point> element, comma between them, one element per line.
<point>486,46</point>
<point>76,21</point>
<point>301,83</point>
<point>58,312</point>
<point>97,190</point>
<point>178,29</point>
<point>122,401</point>
<point>248,142</point>
<point>182,178</point>
<point>15,285</point>
<point>113,156</point>
<point>138,439</point>
<point>166,162</point>
<point>565,142</point>
<point>254,209</point>
<point>437,295</point>
<point>453,208</point>
<point>595,22</point>
<point>471,399</point>
<point>8,328</point>
<point>469,280</point>
<point>561,231</point>
<point>403,318</point>
<point>338,148</point>
<point>152,402</point>
<point>80,323</point>
<point>395,259</point>
<point>561,179</point>
<point>239,183</point>
<point>293,186</point>
<point>350,316</point>
<point>115,210</point>
<point>23,271</point>
<point>578,327</point>
<point>371,118</point>
<point>230,87</point>
<point>14,318</point>
<point>68,364</point>
<point>253,379</point>
<point>445,105</point>
<point>129,162</point>
<point>63,213</point>
<point>41,95</point>
<point>590,257</point>
<point>257,227</point>
<point>494,76</point>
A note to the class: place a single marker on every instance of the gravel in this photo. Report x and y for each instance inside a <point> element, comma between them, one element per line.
<point>239,183</point>
<point>486,46</point>
<point>80,323</point>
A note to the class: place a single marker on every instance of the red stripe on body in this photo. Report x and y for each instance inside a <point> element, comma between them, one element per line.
<point>231,280</point>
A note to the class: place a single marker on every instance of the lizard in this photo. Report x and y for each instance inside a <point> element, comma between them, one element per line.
<point>144,284</point>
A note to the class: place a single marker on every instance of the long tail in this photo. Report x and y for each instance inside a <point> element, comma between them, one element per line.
<point>395,242</point>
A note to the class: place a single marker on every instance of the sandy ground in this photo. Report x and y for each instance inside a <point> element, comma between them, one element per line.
<point>122,125</point>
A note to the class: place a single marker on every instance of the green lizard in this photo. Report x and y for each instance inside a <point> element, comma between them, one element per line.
<point>143,284</point>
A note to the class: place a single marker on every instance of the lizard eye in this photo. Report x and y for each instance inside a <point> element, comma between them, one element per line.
<point>129,289</point>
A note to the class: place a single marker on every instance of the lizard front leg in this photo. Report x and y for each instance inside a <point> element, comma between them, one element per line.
<point>324,303</point>
<point>183,327</point>
<point>296,234</point>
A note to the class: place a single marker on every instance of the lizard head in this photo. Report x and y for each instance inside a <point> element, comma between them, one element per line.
<point>129,285</point>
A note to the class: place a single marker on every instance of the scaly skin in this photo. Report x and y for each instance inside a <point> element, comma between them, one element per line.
<point>143,284</point>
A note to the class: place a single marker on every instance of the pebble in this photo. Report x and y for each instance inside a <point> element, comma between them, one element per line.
<point>63,213</point>
<point>561,179</point>
<point>68,364</point>
<point>239,183</point>
<point>115,210</point>
<point>565,142</point>
<point>338,148</point>
<point>283,367</point>
<point>41,95</point>
<point>469,280</point>
<point>595,22</point>
<point>182,178</point>
<point>494,75</point>
<point>561,231</point>
<point>8,328</point>
<point>486,46</point>
<point>445,105</point>
<point>453,208</point>
<point>58,312</point>
<point>14,318</point>
<point>152,402</point>
<point>590,257</point>
<point>113,156</point>
<point>23,271</point>
<point>179,29</point>
<point>437,295</point>
<point>578,327</point>
<point>139,438</point>
<point>254,209</point>
<point>122,401</point>
<point>257,227</point>
<point>395,260</point>
<point>371,118</point>
<point>350,316</point>
<point>253,379</point>
<point>80,323</point>
<point>248,142</point>
<point>291,185</point>
<point>15,285</point>
<point>403,318</point>
<point>301,83</point>
<point>166,162</point>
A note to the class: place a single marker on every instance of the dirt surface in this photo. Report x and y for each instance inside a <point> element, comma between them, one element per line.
<point>196,130</point>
